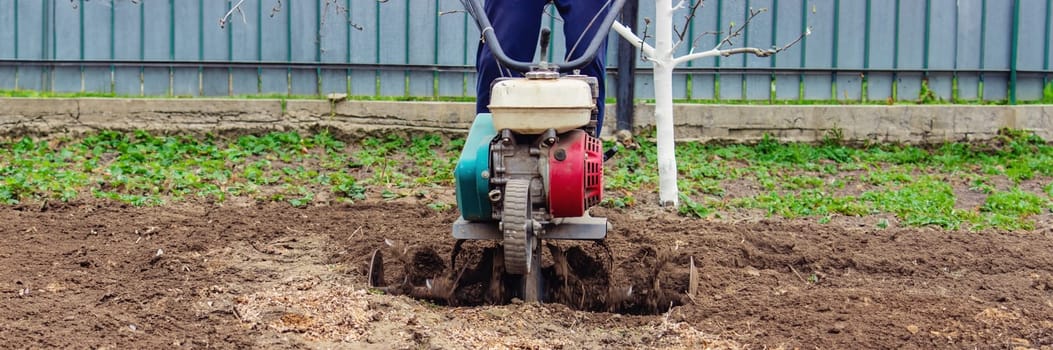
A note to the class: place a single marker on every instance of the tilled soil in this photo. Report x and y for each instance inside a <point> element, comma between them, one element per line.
<point>247,275</point>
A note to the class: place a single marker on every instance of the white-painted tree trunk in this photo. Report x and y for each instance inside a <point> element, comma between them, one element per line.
<point>668,193</point>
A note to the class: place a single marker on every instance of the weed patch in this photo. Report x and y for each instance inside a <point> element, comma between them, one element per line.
<point>790,180</point>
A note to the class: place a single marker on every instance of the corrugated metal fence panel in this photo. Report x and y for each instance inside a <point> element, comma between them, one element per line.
<point>819,47</point>
<point>127,27</point>
<point>881,44</point>
<point>850,50</point>
<point>303,21</point>
<point>996,51</point>
<point>757,34</point>
<point>333,32</point>
<point>942,46</point>
<point>1030,54</point>
<point>31,41</point>
<point>8,44</point>
<point>185,38</point>
<point>156,45</point>
<point>215,46</point>
<point>244,31</point>
<point>453,44</point>
<point>363,46</point>
<point>392,45</point>
<point>969,29</point>
<point>8,30</point>
<point>274,44</point>
<point>422,16</point>
<point>910,48</point>
<point>470,49</point>
<point>790,25</point>
<point>859,50</point>
<point>66,45</point>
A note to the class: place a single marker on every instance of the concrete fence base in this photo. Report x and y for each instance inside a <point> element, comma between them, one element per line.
<point>723,123</point>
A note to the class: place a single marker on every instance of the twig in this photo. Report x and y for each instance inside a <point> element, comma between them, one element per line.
<point>797,273</point>
<point>694,42</point>
<point>236,7</point>
<point>687,21</point>
<point>582,303</point>
<point>807,32</point>
<point>450,12</point>
<point>737,32</point>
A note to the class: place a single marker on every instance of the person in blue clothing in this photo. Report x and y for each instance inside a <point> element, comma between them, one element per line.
<point>517,23</point>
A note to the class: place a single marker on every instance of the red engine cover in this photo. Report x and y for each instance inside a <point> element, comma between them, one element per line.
<point>575,169</point>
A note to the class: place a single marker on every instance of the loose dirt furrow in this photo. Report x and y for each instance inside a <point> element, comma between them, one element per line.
<point>92,274</point>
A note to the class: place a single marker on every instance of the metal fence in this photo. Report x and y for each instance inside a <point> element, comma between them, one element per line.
<point>859,49</point>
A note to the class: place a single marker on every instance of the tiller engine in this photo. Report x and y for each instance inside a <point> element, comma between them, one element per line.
<point>530,170</point>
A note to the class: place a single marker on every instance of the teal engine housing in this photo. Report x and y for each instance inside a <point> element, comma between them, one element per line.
<point>472,171</point>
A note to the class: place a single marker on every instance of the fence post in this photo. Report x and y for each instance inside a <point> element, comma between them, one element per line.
<point>626,70</point>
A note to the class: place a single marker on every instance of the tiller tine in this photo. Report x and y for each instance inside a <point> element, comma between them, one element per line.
<point>376,270</point>
<point>692,284</point>
<point>442,288</point>
<point>495,294</point>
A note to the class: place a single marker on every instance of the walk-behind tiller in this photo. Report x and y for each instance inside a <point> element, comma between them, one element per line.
<point>529,172</point>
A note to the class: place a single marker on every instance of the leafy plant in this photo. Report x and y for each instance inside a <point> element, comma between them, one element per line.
<point>689,207</point>
<point>927,201</point>
<point>1014,203</point>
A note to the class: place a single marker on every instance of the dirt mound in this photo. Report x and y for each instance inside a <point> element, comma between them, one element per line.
<point>94,274</point>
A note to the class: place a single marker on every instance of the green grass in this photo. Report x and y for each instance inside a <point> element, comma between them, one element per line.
<point>916,185</point>
<point>144,169</point>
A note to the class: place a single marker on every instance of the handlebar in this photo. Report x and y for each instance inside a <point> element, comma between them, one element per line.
<point>475,9</point>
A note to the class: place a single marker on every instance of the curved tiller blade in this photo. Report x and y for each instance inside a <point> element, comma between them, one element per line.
<point>692,284</point>
<point>376,270</point>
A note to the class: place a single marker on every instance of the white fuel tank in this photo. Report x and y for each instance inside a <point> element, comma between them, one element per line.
<point>531,106</point>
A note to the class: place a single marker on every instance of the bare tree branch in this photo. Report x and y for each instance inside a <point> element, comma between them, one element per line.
<point>807,32</point>
<point>737,32</point>
<point>236,7</point>
<point>450,12</point>
<point>687,22</point>
<point>743,50</point>
<point>694,41</point>
<point>643,38</point>
<point>627,33</point>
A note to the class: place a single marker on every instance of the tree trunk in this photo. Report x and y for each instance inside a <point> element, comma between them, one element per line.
<point>668,194</point>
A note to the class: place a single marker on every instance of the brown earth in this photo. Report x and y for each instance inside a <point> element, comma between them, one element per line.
<point>250,275</point>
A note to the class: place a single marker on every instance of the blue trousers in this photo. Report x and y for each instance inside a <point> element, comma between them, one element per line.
<point>517,24</point>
